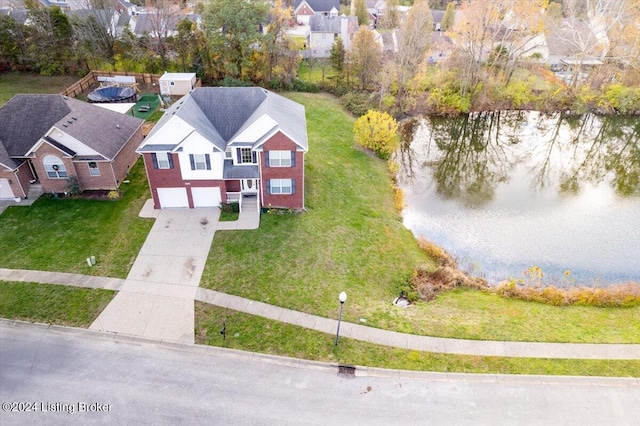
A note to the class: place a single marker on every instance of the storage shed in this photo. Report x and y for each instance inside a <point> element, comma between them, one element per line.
<point>176,83</point>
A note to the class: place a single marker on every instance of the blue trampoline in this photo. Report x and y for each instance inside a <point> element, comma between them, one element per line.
<point>113,95</point>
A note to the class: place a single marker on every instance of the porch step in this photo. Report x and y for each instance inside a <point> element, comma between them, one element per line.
<point>35,191</point>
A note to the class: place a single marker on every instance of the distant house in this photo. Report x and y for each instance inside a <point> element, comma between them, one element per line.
<point>177,83</point>
<point>376,9</point>
<point>324,30</point>
<point>574,42</point>
<point>437,16</point>
<point>153,24</point>
<point>46,139</point>
<point>222,144</point>
<point>303,10</point>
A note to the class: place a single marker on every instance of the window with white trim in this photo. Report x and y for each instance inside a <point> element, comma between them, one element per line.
<point>93,168</point>
<point>163,160</point>
<point>54,167</point>
<point>228,154</point>
<point>246,156</point>
<point>279,158</point>
<point>200,161</point>
<point>280,186</point>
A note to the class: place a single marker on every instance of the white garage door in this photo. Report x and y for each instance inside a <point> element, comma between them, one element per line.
<point>173,197</point>
<point>206,197</point>
<point>5,190</point>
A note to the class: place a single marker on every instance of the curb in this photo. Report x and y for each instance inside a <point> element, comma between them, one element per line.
<point>331,367</point>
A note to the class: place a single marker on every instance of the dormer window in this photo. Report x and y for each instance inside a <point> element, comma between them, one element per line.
<point>246,156</point>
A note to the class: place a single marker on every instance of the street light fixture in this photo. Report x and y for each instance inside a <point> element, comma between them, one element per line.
<point>342,297</point>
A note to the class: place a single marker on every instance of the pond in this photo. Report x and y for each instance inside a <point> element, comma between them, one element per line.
<point>507,191</point>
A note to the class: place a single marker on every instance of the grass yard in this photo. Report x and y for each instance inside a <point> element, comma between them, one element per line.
<point>58,234</point>
<point>12,83</point>
<point>352,239</point>
<point>251,333</point>
<point>315,71</point>
<point>52,304</point>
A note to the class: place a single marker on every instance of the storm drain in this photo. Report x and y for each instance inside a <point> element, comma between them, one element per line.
<point>347,370</point>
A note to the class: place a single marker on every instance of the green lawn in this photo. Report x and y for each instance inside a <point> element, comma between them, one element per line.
<point>352,239</point>
<point>12,83</point>
<point>255,334</point>
<point>57,234</point>
<point>52,304</point>
<point>314,71</point>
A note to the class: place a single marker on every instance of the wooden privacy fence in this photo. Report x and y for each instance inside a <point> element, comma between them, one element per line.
<point>92,78</point>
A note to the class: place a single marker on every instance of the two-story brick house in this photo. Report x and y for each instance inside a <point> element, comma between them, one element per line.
<point>221,144</point>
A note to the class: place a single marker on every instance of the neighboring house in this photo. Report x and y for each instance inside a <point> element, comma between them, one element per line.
<point>303,10</point>
<point>437,16</point>
<point>149,24</point>
<point>177,83</point>
<point>324,30</point>
<point>46,139</point>
<point>221,144</point>
<point>574,42</point>
<point>107,18</point>
<point>375,8</point>
<point>124,7</point>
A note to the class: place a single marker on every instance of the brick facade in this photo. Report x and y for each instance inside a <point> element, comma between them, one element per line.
<point>293,201</point>
<point>112,173</point>
<point>172,178</point>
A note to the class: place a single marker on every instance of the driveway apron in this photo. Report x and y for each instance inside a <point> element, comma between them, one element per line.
<point>156,300</point>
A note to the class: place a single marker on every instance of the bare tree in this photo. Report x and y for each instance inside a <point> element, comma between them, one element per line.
<point>414,39</point>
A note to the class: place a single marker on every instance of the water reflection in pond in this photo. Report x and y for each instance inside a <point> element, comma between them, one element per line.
<point>504,191</point>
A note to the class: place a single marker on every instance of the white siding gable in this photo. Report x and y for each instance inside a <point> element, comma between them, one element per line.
<point>196,144</point>
<point>257,130</point>
<point>173,132</point>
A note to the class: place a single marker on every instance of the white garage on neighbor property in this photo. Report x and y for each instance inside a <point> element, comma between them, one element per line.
<point>206,197</point>
<point>173,197</point>
<point>177,83</point>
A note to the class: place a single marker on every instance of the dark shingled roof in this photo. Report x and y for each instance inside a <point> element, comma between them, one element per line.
<point>239,172</point>
<point>324,24</point>
<point>221,113</point>
<point>25,119</point>
<point>319,5</point>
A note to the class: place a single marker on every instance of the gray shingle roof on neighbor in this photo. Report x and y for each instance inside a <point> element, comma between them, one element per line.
<point>319,5</point>
<point>325,24</point>
<point>25,119</point>
<point>221,113</point>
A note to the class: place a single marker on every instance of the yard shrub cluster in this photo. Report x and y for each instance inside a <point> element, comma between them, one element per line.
<point>377,131</point>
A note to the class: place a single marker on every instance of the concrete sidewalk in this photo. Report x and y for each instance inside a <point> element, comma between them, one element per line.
<point>421,343</point>
<point>326,325</point>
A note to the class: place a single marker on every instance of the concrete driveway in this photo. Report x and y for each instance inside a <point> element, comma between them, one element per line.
<point>156,300</point>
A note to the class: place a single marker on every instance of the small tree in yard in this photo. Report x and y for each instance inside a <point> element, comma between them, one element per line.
<point>377,131</point>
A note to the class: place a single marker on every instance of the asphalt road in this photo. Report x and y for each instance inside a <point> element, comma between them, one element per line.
<point>81,377</point>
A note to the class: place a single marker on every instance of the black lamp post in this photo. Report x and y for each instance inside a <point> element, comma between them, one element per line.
<point>342,298</point>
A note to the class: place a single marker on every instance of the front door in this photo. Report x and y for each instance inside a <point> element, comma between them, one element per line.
<point>249,186</point>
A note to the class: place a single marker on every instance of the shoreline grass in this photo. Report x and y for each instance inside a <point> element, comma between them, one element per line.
<point>250,333</point>
<point>52,304</point>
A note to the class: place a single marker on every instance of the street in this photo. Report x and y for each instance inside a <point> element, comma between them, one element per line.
<point>69,376</point>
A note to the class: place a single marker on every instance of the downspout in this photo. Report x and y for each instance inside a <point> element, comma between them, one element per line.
<point>15,174</point>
